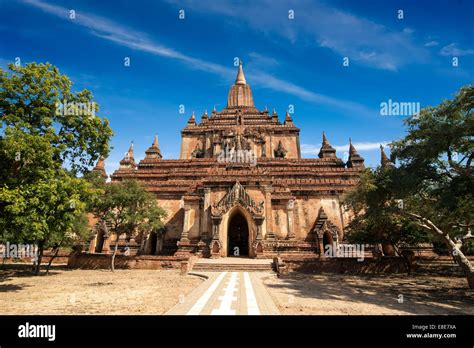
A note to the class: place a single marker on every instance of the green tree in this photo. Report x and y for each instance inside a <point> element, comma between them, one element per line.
<point>433,180</point>
<point>43,148</point>
<point>129,209</point>
<point>376,215</point>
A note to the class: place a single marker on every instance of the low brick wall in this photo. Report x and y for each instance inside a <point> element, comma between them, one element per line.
<point>345,265</point>
<point>102,261</point>
<point>62,258</point>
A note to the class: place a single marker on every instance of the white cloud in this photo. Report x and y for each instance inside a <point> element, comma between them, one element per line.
<point>108,30</point>
<point>431,43</point>
<point>262,61</point>
<point>364,41</point>
<point>453,50</point>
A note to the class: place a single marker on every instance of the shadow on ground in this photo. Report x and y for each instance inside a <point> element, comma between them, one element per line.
<point>421,294</point>
<point>15,271</point>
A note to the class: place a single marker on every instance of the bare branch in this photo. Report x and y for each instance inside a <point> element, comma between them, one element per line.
<point>467,236</point>
<point>429,224</point>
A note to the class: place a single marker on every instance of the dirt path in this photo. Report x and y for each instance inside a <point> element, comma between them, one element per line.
<point>93,291</point>
<point>333,294</point>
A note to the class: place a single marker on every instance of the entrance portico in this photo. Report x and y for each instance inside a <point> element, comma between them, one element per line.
<point>236,224</point>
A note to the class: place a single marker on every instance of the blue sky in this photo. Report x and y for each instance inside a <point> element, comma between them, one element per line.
<point>287,61</point>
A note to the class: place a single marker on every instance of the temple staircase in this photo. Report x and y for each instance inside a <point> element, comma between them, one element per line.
<point>233,264</point>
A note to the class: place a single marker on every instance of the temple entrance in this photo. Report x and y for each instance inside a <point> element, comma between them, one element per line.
<point>238,237</point>
<point>327,240</point>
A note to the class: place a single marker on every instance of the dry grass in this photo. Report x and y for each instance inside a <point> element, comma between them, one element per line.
<point>333,294</point>
<point>93,291</point>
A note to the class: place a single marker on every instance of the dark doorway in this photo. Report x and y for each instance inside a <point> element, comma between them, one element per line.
<point>327,240</point>
<point>153,239</point>
<point>100,241</point>
<point>238,237</point>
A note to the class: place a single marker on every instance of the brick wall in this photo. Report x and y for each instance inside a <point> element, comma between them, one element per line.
<point>102,261</point>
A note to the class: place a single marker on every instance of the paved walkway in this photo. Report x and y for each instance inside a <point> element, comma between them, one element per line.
<point>228,293</point>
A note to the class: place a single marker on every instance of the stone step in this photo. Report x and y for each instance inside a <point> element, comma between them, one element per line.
<point>208,267</point>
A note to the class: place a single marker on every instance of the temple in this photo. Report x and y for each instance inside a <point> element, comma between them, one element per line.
<point>241,187</point>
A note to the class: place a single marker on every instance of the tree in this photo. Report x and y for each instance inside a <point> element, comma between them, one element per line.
<point>43,211</point>
<point>129,209</point>
<point>37,99</point>
<point>44,146</point>
<point>433,180</point>
<point>376,219</point>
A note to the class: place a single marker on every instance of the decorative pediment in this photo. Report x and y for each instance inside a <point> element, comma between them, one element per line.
<point>280,151</point>
<point>237,195</point>
<point>323,224</point>
<point>198,152</point>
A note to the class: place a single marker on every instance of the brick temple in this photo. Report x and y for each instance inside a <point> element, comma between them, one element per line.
<point>241,187</point>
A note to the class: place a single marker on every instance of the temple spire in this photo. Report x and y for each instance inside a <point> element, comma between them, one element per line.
<point>204,117</point>
<point>131,151</point>
<point>352,149</point>
<point>129,159</point>
<point>288,119</point>
<point>240,80</point>
<point>154,152</point>
<point>355,160</point>
<point>100,167</point>
<point>192,120</point>
<point>240,94</point>
<point>384,161</point>
<point>325,140</point>
<point>326,151</point>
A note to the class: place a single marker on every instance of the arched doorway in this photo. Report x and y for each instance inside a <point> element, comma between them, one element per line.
<point>100,241</point>
<point>328,245</point>
<point>153,239</point>
<point>238,236</point>
<point>327,239</point>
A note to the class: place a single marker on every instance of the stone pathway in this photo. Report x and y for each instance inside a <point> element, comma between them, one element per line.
<point>228,293</point>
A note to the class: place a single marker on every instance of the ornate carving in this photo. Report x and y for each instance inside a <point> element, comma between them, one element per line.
<point>277,218</point>
<point>237,195</point>
<point>198,152</point>
<point>323,224</point>
<point>280,151</point>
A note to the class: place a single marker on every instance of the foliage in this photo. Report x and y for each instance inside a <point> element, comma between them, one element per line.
<point>431,188</point>
<point>42,151</point>
<point>129,209</point>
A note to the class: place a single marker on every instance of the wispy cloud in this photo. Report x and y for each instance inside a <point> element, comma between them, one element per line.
<point>453,50</point>
<point>431,43</point>
<point>111,31</point>
<point>363,146</point>
<point>263,61</point>
<point>362,40</point>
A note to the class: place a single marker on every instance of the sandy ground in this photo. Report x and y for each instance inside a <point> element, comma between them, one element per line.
<point>369,295</point>
<point>93,291</point>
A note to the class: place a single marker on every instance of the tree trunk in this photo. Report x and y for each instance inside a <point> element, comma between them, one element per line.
<point>463,262</point>
<point>40,257</point>
<point>112,263</point>
<point>453,247</point>
<point>52,258</point>
<point>404,257</point>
